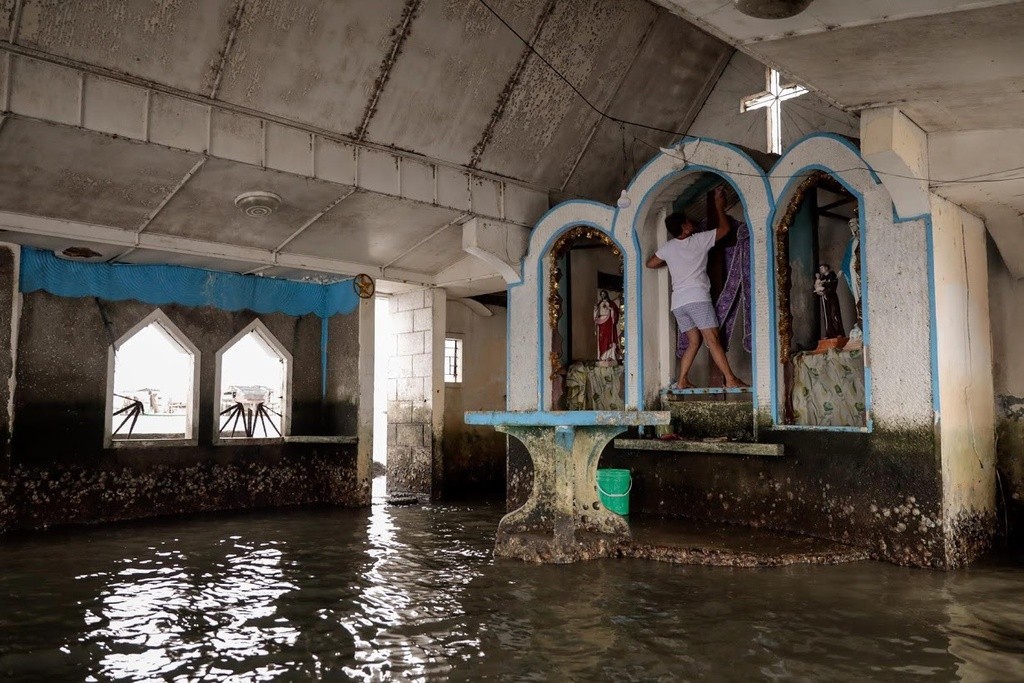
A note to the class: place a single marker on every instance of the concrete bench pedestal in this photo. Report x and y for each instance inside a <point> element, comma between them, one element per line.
<point>563,520</point>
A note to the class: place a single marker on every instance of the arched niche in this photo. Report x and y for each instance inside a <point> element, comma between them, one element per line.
<point>819,306</point>
<point>653,189</point>
<point>586,270</point>
<point>895,286</point>
<point>529,341</point>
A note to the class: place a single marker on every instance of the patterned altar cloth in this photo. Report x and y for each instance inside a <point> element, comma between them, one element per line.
<point>591,387</point>
<point>828,388</point>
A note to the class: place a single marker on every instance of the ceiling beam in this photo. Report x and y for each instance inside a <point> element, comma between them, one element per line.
<point>160,207</point>
<point>26,226</point>
<point>510,86</point>
<point>20,51</point>
<point>19,6</point>
<point>400,33</point>
<point>313,220</point>
<point>426,239</point>
<point>225,53</point>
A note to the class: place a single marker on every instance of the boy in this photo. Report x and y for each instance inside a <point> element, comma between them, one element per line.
<point>686,256</point>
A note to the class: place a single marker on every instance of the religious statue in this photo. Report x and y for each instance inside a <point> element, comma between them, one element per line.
<point>825,284</point>
<point>851,271</point>
<point>606,324</point>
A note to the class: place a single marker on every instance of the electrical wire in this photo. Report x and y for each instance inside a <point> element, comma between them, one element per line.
<point>970,180</point>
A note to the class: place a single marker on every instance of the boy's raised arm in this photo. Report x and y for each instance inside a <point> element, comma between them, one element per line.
<point>724,226</point>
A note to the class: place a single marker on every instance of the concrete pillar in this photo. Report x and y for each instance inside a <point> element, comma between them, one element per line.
<point>416,392</point>
<point>10,315</point>
<point>364,453</point>
<point>966,419</point>
<point>898,149</point>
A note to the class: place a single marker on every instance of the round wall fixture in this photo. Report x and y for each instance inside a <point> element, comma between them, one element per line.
<point>364,285</point>
<point>258,204</point>
<point>771,9</point>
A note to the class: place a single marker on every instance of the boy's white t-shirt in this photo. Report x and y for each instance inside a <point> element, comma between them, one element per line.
<point>688,265</point>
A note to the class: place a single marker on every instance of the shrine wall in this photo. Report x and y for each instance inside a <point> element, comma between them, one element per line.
<point>474,457</point>
<point>60,472</point>
<point>966,419</point>
<point>880,489</point>
<point>1006,304</point>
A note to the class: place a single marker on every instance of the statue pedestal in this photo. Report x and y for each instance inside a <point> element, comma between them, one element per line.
<point>834,344</point>
<point>563,520</point>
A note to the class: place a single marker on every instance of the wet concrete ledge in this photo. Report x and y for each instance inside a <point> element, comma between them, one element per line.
<point>726,545</point>
<point>678,541</point>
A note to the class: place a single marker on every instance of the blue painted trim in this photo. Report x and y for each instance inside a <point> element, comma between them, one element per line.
<point>813,428</point>
<point>702,391</point>
<point>828,136</point>
<point>323,358</point>
<point>543,389</point>
<point>565,437</point>
<point>773,312</point>
<point>162,284</point>
<point>689,164</point>
<point>568,418</point>
<point>725,175</point>
<point>530,251</point>
<point>933,312</point>
<point>638,266</point>
<point>508,344</point>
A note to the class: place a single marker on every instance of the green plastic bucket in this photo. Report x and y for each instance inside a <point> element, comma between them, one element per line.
<point>613,488</point>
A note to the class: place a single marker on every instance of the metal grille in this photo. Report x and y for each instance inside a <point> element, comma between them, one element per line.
<point>453,360</point>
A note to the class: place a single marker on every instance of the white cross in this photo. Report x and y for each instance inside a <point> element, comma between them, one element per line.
<point>772,98</point>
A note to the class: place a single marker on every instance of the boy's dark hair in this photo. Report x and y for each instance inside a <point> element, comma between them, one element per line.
<point>674,222</point>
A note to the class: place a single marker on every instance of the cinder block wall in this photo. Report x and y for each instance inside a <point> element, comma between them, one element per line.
<point>416,392</point>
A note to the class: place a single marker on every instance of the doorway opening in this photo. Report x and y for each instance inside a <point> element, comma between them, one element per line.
<point>384,389</point>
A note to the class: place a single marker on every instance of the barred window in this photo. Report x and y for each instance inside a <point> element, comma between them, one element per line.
<point>453,360</point>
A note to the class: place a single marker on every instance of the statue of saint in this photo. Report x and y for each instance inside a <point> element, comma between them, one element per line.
<point>825,284</point>
<point>606,324</point>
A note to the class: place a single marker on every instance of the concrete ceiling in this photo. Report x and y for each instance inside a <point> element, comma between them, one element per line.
<point>442,78</point>
<point>382,124</point>
<point>954,67</point>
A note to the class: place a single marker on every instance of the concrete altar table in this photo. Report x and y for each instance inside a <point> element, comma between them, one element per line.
<point>563,520</point>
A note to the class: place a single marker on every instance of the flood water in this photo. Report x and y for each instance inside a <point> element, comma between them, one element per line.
<point>413,593</point>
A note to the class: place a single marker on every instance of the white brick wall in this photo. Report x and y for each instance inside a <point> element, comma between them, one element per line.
<point>413,404</point>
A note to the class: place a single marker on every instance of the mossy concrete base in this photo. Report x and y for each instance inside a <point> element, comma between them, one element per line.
<point>563,519</point>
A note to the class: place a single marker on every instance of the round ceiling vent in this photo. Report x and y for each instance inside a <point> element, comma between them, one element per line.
<point>772,9</point>
<point>258,204</point>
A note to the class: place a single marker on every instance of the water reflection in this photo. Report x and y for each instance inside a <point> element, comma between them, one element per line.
<point>414,593</point>
<point>163,613</point>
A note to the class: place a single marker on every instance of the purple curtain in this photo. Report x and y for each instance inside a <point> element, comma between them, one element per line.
<point>734,300</point>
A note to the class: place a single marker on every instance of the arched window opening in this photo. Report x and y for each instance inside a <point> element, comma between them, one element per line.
<point>254,373</point>
<point>586,318</point>
<point>151,394</point>
<point>819,308</point>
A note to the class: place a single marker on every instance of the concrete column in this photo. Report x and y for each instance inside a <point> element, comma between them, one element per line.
<point>898,149</point>
<point>10,316</point>
<point>416,392</point>
<point>364,419</point>
<point>966,421</point>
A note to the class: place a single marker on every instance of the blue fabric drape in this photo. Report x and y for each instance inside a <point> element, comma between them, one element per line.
<point>159,285</point>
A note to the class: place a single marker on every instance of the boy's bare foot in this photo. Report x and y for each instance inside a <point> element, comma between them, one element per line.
<point>736,383</point>
<point>685,384</point>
